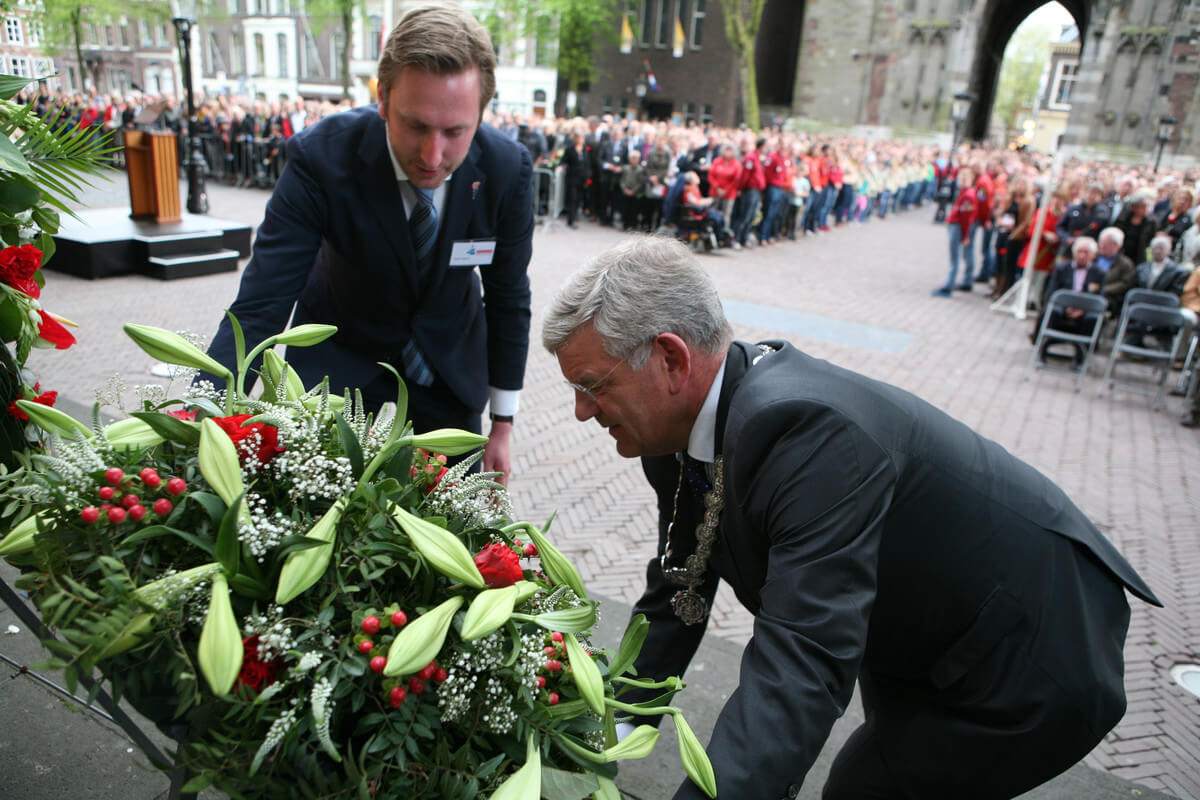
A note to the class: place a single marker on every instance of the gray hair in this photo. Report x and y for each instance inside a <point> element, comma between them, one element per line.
<point>1115,234</point>
<point>1085,242</point>
<point>631,293</point>
<point>1165,239</point>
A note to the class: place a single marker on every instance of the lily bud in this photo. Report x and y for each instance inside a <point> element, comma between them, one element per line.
<point>51,420</point>
<point>525,783</point>
<point>219,462</point>
<point>306,335</point>
<point>158,593</point>
<point>220,651</point>
<point>421,639</point>
<point>442,549</point>
<point>488,611</point>
<point>278,371</point>
<point>20,538</point>
<point>131,434</point>
<point>525,590</point>
<point>587,674</point>
<point>638,744</point>
<point>557,566</point>
<point>695,760</point>
<point>449,441</point>
<point>565,620</point>
<point>305,567</point>
<point>174,349</point>
<point>607,791</point>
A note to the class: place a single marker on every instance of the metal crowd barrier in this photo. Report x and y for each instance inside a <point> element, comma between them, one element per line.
<point>244,161</point>
<point>549,188</point>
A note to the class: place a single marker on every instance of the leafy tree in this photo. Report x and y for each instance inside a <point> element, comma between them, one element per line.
<point>1020,74</point>
<point>578,22</point>
<point>742,18</point>
<point>340,12</point>
<point>63,20</point>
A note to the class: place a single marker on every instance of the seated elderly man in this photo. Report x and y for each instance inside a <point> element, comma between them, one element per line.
<point>1080,274</point>
<point>1161,274</point>
<point>1120,274</point>
<point>873,537</point>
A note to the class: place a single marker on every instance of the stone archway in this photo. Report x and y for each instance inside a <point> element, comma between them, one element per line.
<point>1000,19</point>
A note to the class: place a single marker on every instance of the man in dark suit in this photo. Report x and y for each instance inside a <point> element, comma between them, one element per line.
<point>872,536</point>
<point>1080,274</point>
<point>1160,274</point>
<point>386,221</point>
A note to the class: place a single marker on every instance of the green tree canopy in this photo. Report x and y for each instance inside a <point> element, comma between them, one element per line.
<point>1025,59</point>
<point>742,20</point>
<point>63,21</point>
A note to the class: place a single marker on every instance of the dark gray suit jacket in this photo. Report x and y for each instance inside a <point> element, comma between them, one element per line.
<point>868,531</point>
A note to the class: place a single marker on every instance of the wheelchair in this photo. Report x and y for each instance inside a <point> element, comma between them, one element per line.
<point>690,224</point>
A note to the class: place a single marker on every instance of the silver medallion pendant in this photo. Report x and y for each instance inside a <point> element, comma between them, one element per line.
<point>689,607</point>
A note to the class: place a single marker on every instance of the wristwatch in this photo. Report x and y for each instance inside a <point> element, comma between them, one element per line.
<point>501,417</point>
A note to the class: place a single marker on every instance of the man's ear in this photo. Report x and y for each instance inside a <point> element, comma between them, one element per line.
<point>677,360</point>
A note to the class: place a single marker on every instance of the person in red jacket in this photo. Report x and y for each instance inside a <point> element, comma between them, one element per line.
<point>724,178</point>
<point>779,188</point>
<point>960,223</point>
<point>985,191</point>
<point>754,180</point>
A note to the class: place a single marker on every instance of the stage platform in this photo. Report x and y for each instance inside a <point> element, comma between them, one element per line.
<point>105,242</point>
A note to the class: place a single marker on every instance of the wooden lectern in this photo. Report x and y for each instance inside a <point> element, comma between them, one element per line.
<point>151,161</point>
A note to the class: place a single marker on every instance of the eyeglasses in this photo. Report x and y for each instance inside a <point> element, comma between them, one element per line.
<point>597,387</point>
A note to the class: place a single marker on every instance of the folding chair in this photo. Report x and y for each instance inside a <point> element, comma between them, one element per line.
<point>1153,317</point>
<point>1093,306</point>
<point>1151,297</point>
<point>1188,373</point>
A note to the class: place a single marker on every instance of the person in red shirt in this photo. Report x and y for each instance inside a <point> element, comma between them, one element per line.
<point>779,188</point>
<point>724,178</point>
<point>818,178</point>
<point>1046,248</point>
<point>985,192</point>
<point>960,223</point>
<point>754,180</point>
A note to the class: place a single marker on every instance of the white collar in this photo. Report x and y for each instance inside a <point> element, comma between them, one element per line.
<point>702,441</point>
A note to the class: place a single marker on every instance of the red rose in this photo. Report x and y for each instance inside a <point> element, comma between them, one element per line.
<point>17,266</point>
<point>255,673</point>
<point>53,332</point>
<point>188,415</point>
<point>257,440</point>
<point>499,565</point>
<point>45,398</point>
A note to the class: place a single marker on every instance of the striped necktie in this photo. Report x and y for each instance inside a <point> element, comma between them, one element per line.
<point>422,224</point>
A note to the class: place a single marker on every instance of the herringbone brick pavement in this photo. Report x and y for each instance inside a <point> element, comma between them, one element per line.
<point>1132,469</point>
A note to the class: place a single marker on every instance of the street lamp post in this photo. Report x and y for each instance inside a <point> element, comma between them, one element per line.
<point>197,201</point>
<point>1166,129</point>
<point>945,190</point>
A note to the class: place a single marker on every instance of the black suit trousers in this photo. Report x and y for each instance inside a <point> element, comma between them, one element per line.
<point>1011,722</point>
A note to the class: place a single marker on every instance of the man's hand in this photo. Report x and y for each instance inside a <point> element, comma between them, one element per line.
<point>497,455</point>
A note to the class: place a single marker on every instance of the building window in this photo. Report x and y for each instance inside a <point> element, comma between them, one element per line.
<point>706,116</point>
<point>237,54</point>
<point>215,63</point>
<point>337,43</point>
<point>689,113</point>
<point>647,21</point>
<point>282,47</point>
<point>251,8</point>
<point>260,55</point>
<point>662,37</point>
<point>374,37</point>
<point>696,31</point>
<point>607,104</point>
<point>163,38</point>
<point>1065,75</point>
<point>19,67</point>
<point>12,30</point>
<point>542,41</point>
<point>124,31</point>
<point>34,29</point>
<point>233,6</point>
<point>312,56</point>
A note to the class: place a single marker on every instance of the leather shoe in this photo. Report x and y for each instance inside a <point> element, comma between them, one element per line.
<point>1190,420</point>
<point>963,287</point>
<point>942,292</point>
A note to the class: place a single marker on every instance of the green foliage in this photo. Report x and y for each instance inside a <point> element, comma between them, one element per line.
<point>1025,59</point>
<point>742,20</point>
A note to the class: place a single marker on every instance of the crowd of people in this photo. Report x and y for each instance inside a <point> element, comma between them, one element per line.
<point>737,188</point>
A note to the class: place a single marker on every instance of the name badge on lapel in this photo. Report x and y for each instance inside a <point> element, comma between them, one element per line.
<point>472,253</point>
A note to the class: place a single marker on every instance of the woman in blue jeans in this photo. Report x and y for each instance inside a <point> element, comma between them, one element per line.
<point>960,225</point>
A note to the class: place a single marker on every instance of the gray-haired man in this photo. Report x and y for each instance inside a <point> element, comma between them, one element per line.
<point>873,538</point>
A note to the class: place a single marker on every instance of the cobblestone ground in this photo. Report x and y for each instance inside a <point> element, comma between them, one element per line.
<point>1134,470</point>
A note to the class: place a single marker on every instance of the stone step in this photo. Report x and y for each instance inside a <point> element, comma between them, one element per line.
<point>191,264</point>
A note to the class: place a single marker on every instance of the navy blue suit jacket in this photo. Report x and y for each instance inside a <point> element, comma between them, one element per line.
<point>335,247</point>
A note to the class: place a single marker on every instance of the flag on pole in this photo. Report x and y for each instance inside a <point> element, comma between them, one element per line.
<point>679,38</point>
<point>651,81</point>
<point>626,35</point>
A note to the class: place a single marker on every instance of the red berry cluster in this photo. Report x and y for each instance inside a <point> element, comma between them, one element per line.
<point>529,549</point>
<point>427,469</point>
<point>553,666</point>
<point>119,498</point>
<point>394,688</point>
